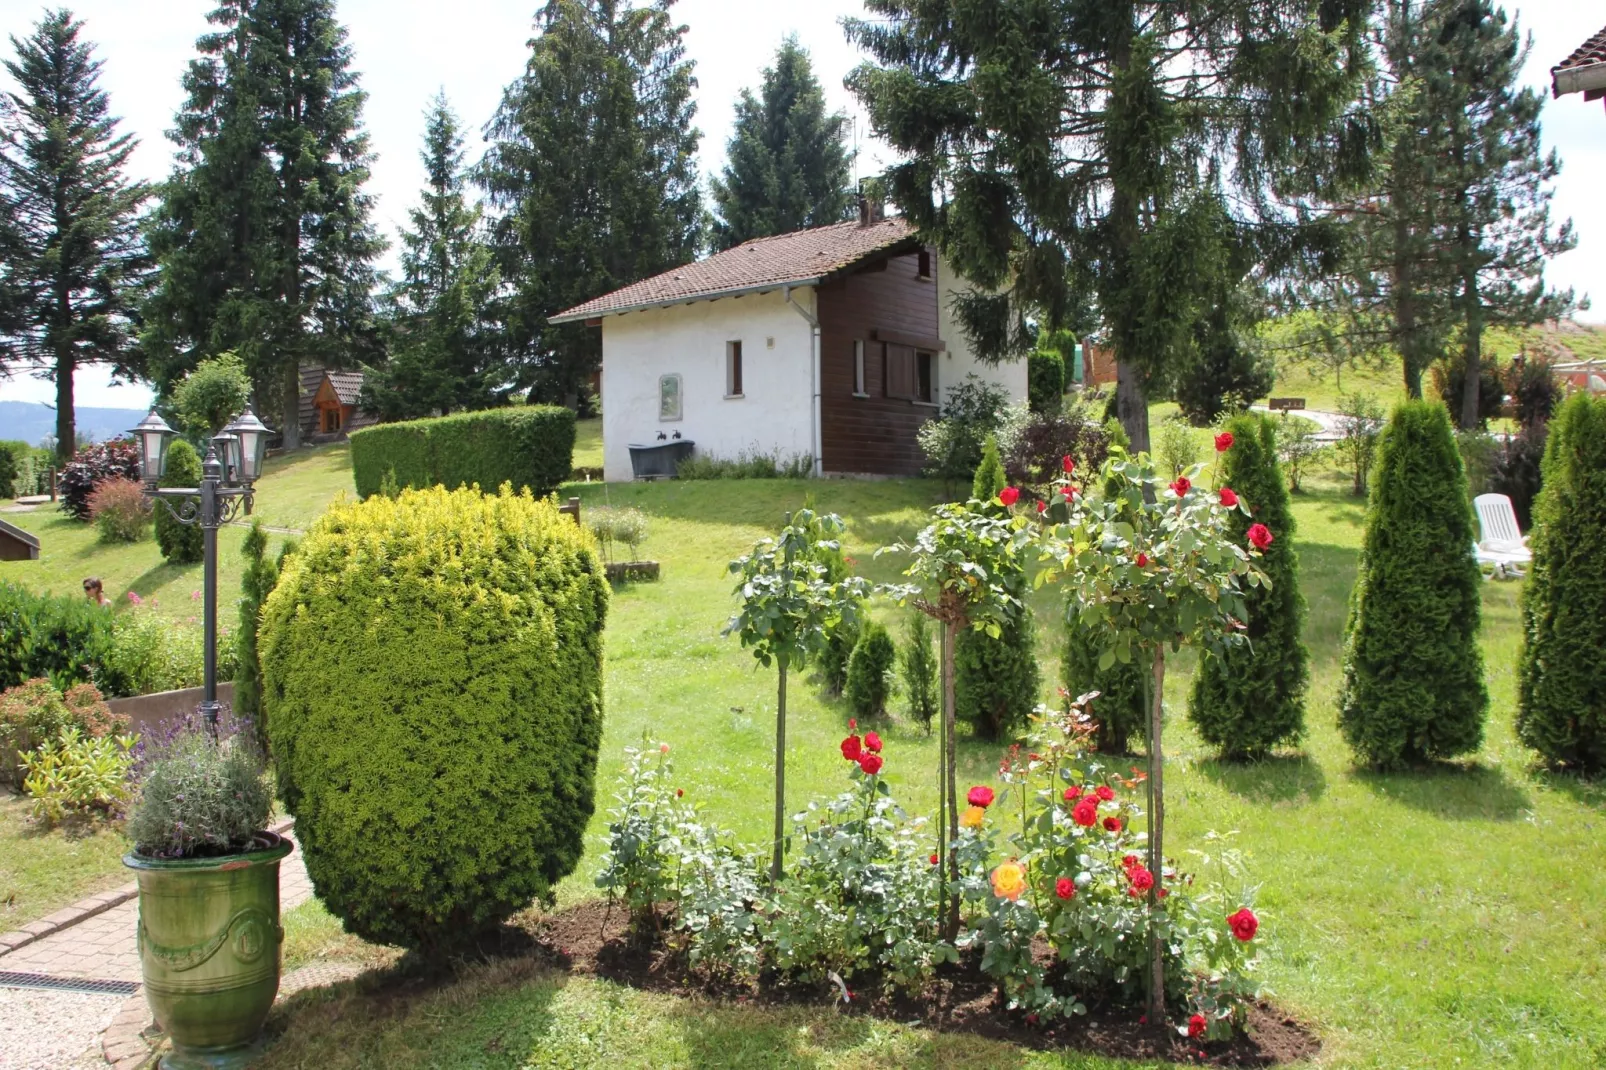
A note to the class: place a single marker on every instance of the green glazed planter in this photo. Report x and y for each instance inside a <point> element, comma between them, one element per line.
<point>209,943</point>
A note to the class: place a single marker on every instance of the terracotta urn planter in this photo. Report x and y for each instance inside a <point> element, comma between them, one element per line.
<point>209,946</point>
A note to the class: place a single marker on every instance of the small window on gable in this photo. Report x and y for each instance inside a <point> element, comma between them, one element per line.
<point>926,378</point>
<point>733,369</point>
<point>924,269</point>
<point>858,370</point>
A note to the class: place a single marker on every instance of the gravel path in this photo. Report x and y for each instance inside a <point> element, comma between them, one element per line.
<point>41,1029</point>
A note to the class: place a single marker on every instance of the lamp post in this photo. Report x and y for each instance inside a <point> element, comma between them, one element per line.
<point>232,466</point>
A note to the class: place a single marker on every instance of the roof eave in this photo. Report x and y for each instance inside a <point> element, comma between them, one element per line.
<point>1582,79</point>
<point>575,315</point>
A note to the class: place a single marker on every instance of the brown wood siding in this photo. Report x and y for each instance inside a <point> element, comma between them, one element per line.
<point>874,434</point>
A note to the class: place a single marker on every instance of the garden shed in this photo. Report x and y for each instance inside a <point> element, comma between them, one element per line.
<point>16,544</point>
<point>330,406</point>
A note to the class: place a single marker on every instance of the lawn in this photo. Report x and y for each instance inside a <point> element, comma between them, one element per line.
<point>41,872</point>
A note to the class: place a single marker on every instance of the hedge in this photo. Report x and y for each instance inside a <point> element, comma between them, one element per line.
<point>432,685</point>
<point>64,638</point>
<point>1413,687</point>
<point>1561,677</point>
<point>528,446</point>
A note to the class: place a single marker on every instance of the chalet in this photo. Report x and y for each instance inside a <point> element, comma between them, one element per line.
<point>1582,72</point>
<point>329,403</point>
<point>834,343</point>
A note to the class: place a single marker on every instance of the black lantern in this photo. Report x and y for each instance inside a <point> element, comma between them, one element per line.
<point>152,435</point>
<point>228,451</point>
<point>251,446</point>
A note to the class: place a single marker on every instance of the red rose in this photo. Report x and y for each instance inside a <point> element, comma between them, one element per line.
<point>679,792</point>
<point>872,742</point>
<point>1224,442</point>
<point>1142,880</point>
<point>1244,924</point>
<point>1133,892</point>
<point>1042,507</point>
<point>1086,812</point>
<point>1009,495</point>
<point>853,724</point>
<point>1229,497</point>
<point>1196,1025</point>
<point>1070,494</point>
<point>1105,792</point>
<point>1260,536</point>
<point>1065,888</point>
<point>1181,487</point>
<point>1128,861</point>
<point>1073,793</point>
<point>980,795</point>
<point>851,748</point>
<point>870,763</point>
<point>1112,824</point>
<point>1143,560</point>
<point>933,859</point>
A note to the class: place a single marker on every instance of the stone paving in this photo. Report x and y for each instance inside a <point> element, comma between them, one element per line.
<point>59,1025</point>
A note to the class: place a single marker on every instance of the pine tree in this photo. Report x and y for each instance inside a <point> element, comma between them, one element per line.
<point>1413,686</point>
<point>1251,697</point>
<point>263,232</point>
<point>593,167</point>
<point>1059,161</point>
<point>1561,678</point>
<point>787,165</point>
<point>443,347</point>
<point>74,263</point>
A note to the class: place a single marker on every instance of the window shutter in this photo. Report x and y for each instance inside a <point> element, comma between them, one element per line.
<point>900,372</point>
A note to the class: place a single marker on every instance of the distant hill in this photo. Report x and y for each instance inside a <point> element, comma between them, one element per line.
<point>32,422</point>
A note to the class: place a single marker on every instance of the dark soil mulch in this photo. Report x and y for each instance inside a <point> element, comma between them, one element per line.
<point>592,939</point>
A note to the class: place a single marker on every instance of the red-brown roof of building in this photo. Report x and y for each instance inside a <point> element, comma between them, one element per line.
<point>795,259</point>
<point>1590,54</point>
<point>348,386</point>
<point>1591,51</point>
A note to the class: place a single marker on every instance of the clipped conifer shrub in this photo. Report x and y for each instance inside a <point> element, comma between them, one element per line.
<point>1561,681</point>
<point>870,671</point>
<point>181,544</point>
<point>528,446</point>
<point>432,683</point>
<point>1045,380</point>
<point>1118,712</point>
<point>996,679</point>
<point>1250,698</point>
<point>1413,686</point>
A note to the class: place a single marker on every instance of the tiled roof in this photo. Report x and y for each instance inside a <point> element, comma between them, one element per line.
<point>1569,75</point>
<point>348,386</point>
<point>1591,51</point>
<point>804,256</point>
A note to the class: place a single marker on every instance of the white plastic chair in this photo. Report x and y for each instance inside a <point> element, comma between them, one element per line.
<point>1503,544</point>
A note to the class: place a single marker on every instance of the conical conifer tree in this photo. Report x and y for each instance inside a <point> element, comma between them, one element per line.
<point>1251,697</point>
<point>1561,683</point>
<point>1413,686</point>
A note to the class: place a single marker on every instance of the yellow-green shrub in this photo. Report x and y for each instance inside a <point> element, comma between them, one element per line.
<point>432,683</point>
<point>528,446</point>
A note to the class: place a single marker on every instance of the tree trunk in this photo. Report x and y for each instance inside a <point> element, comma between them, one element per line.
<point>292,406</point>
<point>66,416</point>
<point>1131,406</point>
<point>1473,349</point>
<point>948,819</point>
<point>1402,291</point>
<point>780,777</point>
<point>1156,841</point>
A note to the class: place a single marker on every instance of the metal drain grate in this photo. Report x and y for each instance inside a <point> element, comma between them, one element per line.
<point>67,984</point>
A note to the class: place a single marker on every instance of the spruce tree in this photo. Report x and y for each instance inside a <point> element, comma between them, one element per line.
<point>443,345</point>
<point>593,168</point>
<point>787,165</point>
<point>1561,677</point>
<point>74,263</point>
<point>263,232</point>
<point>1060,161</point>
<point>1251,697</point>
<point>1413,686</point>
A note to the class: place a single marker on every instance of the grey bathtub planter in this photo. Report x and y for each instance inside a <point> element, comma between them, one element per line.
<point>658,460</point>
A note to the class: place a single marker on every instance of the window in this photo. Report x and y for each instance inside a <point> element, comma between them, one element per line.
<point>858,370</point>
<point>733,369</point>
<point>669,397</point>
<point>924,270</point>
<point>926,378</point>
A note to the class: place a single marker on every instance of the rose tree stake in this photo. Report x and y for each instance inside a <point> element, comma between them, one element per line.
<point>790,607</point>
<point>1146,565</point>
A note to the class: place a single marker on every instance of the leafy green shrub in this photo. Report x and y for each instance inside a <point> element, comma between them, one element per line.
<point>60,637</point>
<point>78,776</point>
<point>1176,448</point>
<point>918,666</point>
<point>1360,423</point>
<point>1479,451</point>
<point>1449,379</point>
<point>214,393</point>
<point>754,464</point>
<point>8,471</point>
<point>150,653</point>
<point>870,671</point>
<point>1518,472</point>
<point>1248,698</point>
<point>28,467</point>
<point>1413,685</point>
<point>1036,452</point>
<point>531,446</point>
<point>200,797</point>
<point>615,525</point>
<point>35,712</point>
<point>181,544</point>
<point>1045,380</point>
<point>1534,391</point>
<point>1561,704</point>
<point>120,510</point>
<point>432,683</point>
<point>971,410</point>
<point>92,466</point>
<point>1298,448</point>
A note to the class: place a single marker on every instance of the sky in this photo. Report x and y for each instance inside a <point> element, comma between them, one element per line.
<point>406,50</point>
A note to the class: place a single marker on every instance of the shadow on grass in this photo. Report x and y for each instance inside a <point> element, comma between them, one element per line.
<point>1585,791</point>
<point>1459,792</point>
<point>1292,778</point>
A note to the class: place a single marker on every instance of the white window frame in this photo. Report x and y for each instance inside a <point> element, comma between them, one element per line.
<point>735,371</point>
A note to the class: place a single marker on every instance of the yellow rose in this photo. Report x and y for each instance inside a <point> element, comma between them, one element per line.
<point>1009,880</point>
<point>972,817</point>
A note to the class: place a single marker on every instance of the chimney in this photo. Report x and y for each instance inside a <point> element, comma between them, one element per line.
<point>864,210</point>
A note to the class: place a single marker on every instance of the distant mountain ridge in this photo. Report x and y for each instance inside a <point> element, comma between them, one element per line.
<point>32,422</point>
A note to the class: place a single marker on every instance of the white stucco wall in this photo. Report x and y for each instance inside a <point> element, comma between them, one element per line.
<point>775,411</point>
<point>958,361</point>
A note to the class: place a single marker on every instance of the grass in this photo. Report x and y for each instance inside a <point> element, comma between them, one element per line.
<point>41,872</point>
<point>588,443</point>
